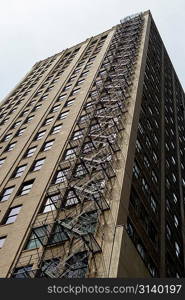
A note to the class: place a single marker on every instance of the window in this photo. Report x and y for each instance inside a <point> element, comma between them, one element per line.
<point>177,249</point>
<point>88,147</point>
<point>167,147</point>
<point>149,125</point>
<point>141,250</point>
<point>2,160</point>
<point>44,97</point>
<point>174,177</point>
<point>176,221</point>
<point>67,87</point>
<point>77,265</point>
<point>72,78</point>
<point>60,176</point>
<point>26,187</point>
<point>138,146</point>
<point>81,63</point>
<point>38,164</point>
<point>2,240</point>
<point>58,235</point>
<point>145,186</point>
<point>10,147</point>
<point>20,132</point>
<point>84,73</point>
<point>40,135</point>
<point>7,137</point>
<point>76,71</point>
<point>173,160</point>
<point>80,171</point>
<point>24,112</point>
<point>136,170</point>
<point>172,132</point>
<point>156,124</point>
<point>77,135</point>
<point>16,124</point>
<point>48,121</point>
<point>61,97</point>
<point>146,162</point>
<point>154,177</point>
<point>168,183</point>
<point>63,115</point>
<point>22,272</point>
<point>102,73</point>
<point>90,64</point>
<point>55,80</point>
<point>69,103</point>
<point>31,103</point>
<point>37,237</point>
<point>5,120</point>
<point>48,145</point>
<point>168,232</point>
<point>152,268</point>
<point>153,203</point>
<point>84,118</point>
<point>80,81</point>
<point>50,203</point>
<point>155,139</point>
<point>30,151</point>
<point>12,215</point>
<point>37,107</point>
<point>148,142</point>
<point>71,199</point>
<point>55,108</point>
<point>19,171</point>
<point>89,104</point>
<point>6,193</point>
<point>56,129</point>
<point>87,222</point>
<point>155,158</point>
<point>38,94</point>
<point>70,153</point>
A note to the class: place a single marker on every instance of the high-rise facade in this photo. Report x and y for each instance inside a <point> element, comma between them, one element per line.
<point>92,166</point>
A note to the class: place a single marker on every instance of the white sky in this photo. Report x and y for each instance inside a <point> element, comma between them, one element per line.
<point>31,30</point>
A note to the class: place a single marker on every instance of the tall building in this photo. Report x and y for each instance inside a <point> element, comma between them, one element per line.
<point>92,159</point>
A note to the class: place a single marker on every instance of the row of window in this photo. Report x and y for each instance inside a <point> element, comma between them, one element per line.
<point>86,223</point>
<point>47,146</point>
<point>21,92</point>
<point>75,267</point>
<point>55,108</point>
<point>56,129</point>
<point>61,62</point>
<point>37,165</point>
<point>67,104</point>
<point>29,79</point>
<point>24,189</point>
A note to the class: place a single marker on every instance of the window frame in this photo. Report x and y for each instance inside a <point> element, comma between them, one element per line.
<point>28,184</point>
<point>32,153</point>
<point>16,172</point>
<point>40,135</point>
<point>45,148</point>
<point>11,214</point>
<point>65,114</point>
<point>37,165</point>
<point>4,194</point>
<point>2,241</point>
<point>54,130</point>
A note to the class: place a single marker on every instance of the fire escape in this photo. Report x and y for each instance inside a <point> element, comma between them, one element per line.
<point>88,166</point>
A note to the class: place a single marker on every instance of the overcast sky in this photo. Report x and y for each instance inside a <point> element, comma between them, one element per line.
<point>31,30</point>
